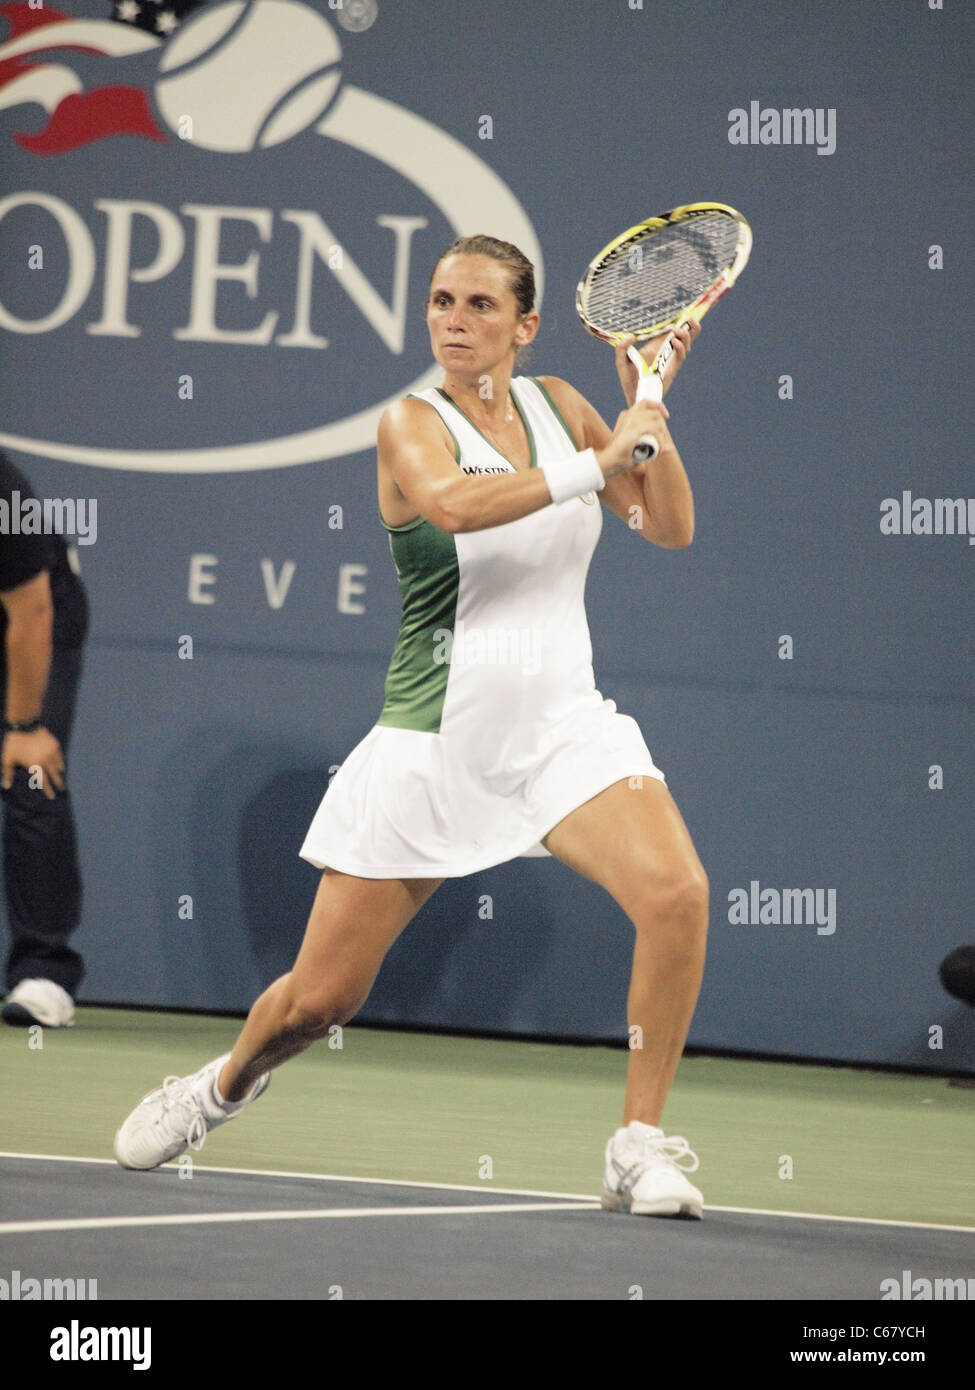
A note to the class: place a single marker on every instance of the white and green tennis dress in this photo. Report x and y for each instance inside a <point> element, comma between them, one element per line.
<point>493,729</point>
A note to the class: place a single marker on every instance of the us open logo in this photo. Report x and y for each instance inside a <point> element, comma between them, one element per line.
<point>209,198</point>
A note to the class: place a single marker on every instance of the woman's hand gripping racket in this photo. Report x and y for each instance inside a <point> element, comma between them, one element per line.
<point>666,271</point>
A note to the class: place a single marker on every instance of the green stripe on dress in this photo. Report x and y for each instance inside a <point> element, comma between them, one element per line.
<point>429,580</point>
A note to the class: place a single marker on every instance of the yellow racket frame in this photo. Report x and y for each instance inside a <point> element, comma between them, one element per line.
<point>650,380</point>
<point>700,307</point>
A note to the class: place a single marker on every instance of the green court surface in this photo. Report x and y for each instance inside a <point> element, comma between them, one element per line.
<point>506,1114</point>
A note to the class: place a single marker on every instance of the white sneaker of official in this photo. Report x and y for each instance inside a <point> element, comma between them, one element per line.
<point>178,1116</point>
<point>39,1001</point>
<point>645,1174</point>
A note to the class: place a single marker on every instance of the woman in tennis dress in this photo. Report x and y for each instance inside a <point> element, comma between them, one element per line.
<point>493,741</point>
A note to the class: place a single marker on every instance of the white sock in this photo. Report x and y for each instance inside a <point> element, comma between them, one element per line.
<point>638,1127</point>
<point>228,1107</point>
<point>220,1103</point>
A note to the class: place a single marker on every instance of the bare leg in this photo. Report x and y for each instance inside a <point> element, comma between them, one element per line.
<point>633,841</point>
<point>353,923</point>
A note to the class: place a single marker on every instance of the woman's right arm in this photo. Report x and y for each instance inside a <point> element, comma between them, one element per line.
<point>412,447</point>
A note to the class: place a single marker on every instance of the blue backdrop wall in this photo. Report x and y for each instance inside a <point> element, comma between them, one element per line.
<point>230,287</point>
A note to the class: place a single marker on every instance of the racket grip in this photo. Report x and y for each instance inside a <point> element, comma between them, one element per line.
<point>648,388</point>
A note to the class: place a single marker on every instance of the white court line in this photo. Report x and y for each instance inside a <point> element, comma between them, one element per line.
<point>324,1177</point>
<point>574,1197</point>
<point>856,1220</point>
<point>99,1223</point>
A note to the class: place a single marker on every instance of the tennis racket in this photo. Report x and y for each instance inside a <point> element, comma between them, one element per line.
<point>664,272</point>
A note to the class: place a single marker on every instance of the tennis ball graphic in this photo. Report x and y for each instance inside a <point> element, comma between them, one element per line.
<point>248,75</point>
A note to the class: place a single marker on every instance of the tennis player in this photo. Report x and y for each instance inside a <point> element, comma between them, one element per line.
<point>493,741</point>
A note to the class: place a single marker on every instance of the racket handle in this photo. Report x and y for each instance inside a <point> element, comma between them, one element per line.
<point>648,388</point>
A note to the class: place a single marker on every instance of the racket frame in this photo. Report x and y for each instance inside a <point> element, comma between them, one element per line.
<point>650,383</point>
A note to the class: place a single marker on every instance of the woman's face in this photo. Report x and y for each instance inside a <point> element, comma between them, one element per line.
<point>473,316</point>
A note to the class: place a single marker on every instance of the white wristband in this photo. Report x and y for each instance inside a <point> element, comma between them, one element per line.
<point>573,476</point>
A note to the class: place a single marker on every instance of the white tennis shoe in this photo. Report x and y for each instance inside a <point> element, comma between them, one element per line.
<point>39,1001</point>
<point>178,1116</point>
<point>645,1175</point>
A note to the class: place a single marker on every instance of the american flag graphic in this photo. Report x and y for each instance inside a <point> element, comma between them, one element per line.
<point>77,116</point>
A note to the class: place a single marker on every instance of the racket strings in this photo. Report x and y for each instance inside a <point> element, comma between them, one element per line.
<point>654,277</point>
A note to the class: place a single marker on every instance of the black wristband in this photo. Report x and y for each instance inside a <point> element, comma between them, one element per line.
<point>25,726</point>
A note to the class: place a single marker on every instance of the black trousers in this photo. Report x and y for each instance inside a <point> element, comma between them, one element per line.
<point>40,855</point>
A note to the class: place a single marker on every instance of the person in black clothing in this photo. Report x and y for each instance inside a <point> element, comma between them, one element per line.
<point>43,622</point>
